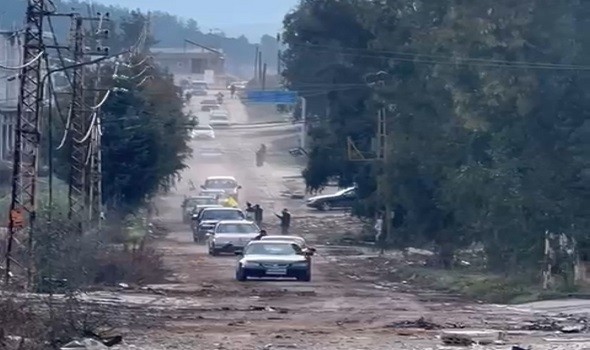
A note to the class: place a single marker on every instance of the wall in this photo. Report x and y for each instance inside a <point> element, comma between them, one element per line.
<point>10,55</point>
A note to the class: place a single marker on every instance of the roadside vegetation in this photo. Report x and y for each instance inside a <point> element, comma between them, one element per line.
<point>144,146</point>
<point>487,122</point>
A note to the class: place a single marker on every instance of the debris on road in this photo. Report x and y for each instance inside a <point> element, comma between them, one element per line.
<point>88,344</point>
<point>419,323</point>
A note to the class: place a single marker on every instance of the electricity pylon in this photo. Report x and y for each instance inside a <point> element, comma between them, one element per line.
<point>23,205</point>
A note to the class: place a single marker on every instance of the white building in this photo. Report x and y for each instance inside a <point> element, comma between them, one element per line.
<point>10,56</point>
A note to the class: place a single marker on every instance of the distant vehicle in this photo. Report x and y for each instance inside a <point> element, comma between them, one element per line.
<point>231,236</point>
<point>228,184</point>
<point>341,199</point>
<point>199,84</point>
<point>273,259</point>
<point>208,218</point>
<point>191,204</point>
<point>203,132</point>
<point>209,102</point>
<point>209,107</point>
<point>219,120</point>
<point>199,92</point>
<point>195,215</point>
<point>218,193</point>
<point>295,239</point>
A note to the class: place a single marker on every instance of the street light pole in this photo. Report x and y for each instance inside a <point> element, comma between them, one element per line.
<point>303,134</point>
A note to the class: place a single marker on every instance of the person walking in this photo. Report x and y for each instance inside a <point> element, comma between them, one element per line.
<point>258,215</point>
<point>285,218</point>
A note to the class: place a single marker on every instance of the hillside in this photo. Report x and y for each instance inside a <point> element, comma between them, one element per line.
<point>169,31</point>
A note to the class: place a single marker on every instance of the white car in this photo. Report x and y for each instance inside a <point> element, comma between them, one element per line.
<point>219,118</point>
<point>230,236</point>
<point>228,184</point>
<point>203,132</point>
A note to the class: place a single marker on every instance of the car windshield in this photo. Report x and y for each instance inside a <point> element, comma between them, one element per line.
<point>272,249</point>
<point>207,128</point>
<point>237,228</point>
<point>298,241</point>
<point>222,215</point>
<point>221,183</point>
<point>218,117</point>
<point>345,191</point>
<point>200,201</point>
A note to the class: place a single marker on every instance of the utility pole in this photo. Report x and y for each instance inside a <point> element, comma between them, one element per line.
<point>380,161</point>
<point>256,64</point>
<point>264,77</point>
<point>95,166</point>
<point>260,66</point>
<point>23,205</point>
<point>77,126</point>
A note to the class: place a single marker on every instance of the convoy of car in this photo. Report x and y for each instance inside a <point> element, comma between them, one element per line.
<point>226,229</point>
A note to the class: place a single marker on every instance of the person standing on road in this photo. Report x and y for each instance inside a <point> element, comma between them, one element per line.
<point>258,215</point>
<point>285,218</point>
<point>250,212</point>
<point>232,90</point>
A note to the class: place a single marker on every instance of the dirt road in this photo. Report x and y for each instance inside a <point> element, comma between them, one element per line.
<point>344,307</point>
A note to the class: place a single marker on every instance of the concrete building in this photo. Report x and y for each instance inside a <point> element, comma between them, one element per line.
<point>193,63</point>
<point>10,56</point>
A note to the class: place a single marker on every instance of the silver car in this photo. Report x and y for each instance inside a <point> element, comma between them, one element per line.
<point>294,239</point>
<point>273,259</point>
<point>231,235</point>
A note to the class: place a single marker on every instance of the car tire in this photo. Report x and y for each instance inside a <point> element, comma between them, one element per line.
<point>241,276</point>
<point>306,277</point>
<point>213,252</point>
<point>325,206</point>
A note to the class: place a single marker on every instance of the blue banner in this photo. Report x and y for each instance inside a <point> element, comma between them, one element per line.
<point>271,97</point>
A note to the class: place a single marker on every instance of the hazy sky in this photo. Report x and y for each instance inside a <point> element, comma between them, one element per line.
<point>252,18</point>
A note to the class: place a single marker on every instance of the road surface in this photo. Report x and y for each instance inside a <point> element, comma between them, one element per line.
<point>345,306</point>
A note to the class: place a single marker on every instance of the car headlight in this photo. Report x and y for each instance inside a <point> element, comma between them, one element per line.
<point>251,264</point>
<point>299,264</point>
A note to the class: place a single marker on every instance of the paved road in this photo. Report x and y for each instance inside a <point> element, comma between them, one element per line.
<point>344,307</point>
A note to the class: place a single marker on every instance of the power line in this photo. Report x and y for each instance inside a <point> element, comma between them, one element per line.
<point>25,65</point>
<point>451,60</point>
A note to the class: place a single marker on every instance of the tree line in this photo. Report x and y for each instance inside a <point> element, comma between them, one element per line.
<point>487,113</point>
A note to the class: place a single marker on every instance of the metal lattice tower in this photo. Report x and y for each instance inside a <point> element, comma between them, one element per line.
<point>77,127</point>
<point>26,148</point>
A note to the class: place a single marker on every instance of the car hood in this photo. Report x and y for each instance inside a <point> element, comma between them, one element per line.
<point>274,258</point>
<point>209,222</point>
<point>325,196</point>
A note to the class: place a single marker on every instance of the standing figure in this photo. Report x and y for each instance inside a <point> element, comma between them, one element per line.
<point>258,215</point>
<point>250,211</point>
<point>285,218</point>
